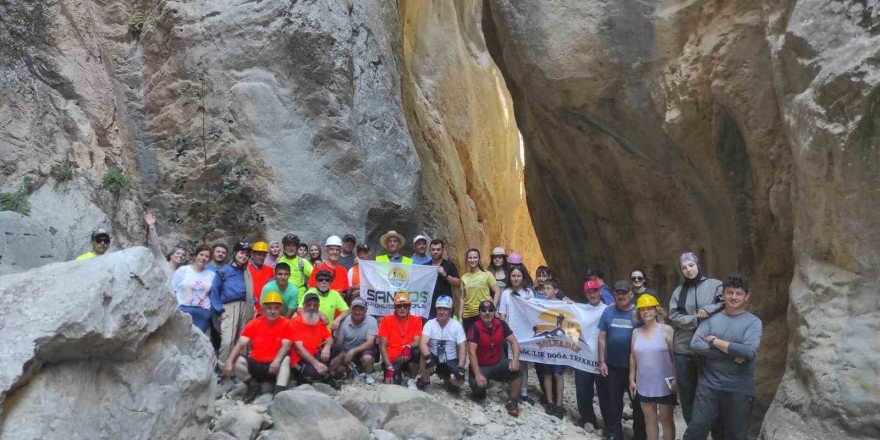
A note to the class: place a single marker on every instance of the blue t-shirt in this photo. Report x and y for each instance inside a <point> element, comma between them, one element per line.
<point>423,261</point>
<point>607,295</point>
<point>618,327</point>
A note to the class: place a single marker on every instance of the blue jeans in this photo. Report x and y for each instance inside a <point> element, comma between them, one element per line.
<point>583,382</point>
<point>201,317</point>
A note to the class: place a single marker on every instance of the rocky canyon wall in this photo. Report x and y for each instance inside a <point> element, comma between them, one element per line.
<point>744,131</point>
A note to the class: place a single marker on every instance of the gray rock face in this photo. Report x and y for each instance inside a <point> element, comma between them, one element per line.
<point>240,423</point>
<point>403,412</point>
<point>100,350</point>
<point>313,415</point>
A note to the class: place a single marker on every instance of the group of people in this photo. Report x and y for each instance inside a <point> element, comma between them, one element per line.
<point>276,312</point>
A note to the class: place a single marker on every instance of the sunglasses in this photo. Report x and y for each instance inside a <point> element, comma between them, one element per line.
<point>324,280</point>
<point>638,278</point>
<point>102,240</point>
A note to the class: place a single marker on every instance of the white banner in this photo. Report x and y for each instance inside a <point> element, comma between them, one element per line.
<point>381,280</point>
<point>556,333</point>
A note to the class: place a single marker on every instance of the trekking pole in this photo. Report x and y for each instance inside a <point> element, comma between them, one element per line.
<point>358,373</point>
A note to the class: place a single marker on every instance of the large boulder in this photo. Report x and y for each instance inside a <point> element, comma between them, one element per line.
<point>96,349</point>
<point>407,413</point>
<point>305,414</point>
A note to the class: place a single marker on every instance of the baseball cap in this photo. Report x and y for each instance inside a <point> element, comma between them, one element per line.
<point>349,237</point>
<point>420,237</point>
<point>362,247</point>
<point>311,295</point>
<point>359,302</point>
<point>487,306</point>
<point>99,232</point>
<point>592,284</point>
<point>622,285</point>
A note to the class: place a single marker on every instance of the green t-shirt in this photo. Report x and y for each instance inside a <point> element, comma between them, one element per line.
<point>86,256</point>
<point>297,278</point>
<point>289,295</point>
<point>477,288</point>
<point>330,304</point>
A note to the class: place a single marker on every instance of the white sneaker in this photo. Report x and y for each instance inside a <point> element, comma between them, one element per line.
<point>411,384</point>
<point>368,379</point>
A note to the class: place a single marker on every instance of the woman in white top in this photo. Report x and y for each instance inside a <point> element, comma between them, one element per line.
<point>191,284</point>
<point>520,286</point>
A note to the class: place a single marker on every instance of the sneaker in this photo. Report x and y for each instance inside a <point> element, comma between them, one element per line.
<point>368,379</point>
<point>559,412</point>
<point>550,409</point>
<point>512,408</point>
<point>411,384</point>
<point>527,399</point>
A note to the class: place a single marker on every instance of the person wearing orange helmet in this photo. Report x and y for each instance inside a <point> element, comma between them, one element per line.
<point>399,336</point>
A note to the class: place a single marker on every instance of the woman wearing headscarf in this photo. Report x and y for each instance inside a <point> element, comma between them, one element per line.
<point>274,253</point>
<point>694,301</point>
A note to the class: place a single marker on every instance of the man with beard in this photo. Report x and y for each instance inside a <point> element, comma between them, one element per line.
<point>332,307</point>
<point>313,345</point>
<point>333,248</point>
<point>300,268</point>
<point>447,275</point>
<point>218,257</point>
<point>100,243</point>
<point>399,336</point>
<point>232,299</point>
<point>270,344</point>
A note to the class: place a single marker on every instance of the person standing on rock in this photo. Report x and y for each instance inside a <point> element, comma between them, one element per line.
<point>639,282</point>
<point>333,309</point>
<point>442,348</point>
<point>520,287</point>
<point>300,268</point>
<point>313,345</point>
<point>269,340</point>
<point>333,247</point>
<point>347,255</point>
<point>729,342</point>
<point>356,340</point>
<point>478,286</point>
<point>392,241</point>
<point>615,340</point>
<point>218,257</point>
<point>420,248</point>
<point>192,285</point>
<point>399,336</point>
<point>447,275</point>
<point>486,339</point>
<point>651,373</point>
<point>499,268</point>
<point>584,380</point>
<point>695,300</point>
<point>259,271</point>
<point>100,242</point>
<point>598,275</point>
<point>232,299</point>
<point>281,284</point>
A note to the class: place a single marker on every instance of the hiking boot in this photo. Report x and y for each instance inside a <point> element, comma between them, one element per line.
<point>550,409</point>
<point>368,378</point>
<point>253,390</point>
<point>559,412</point>
<point>512,408</point>
<point>527,399</point>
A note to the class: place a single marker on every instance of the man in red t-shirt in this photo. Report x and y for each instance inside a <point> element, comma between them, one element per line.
<point>312,343</point>
<point>260,272</point>
<point>486,339</point>
<point>268,360</point>
<point>399,336</point>
<point>332,249</point>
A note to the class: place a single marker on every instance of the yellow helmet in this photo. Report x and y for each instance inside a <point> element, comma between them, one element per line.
<point>402,298</point>
<point>272,297</point>
<point>260,246</point>
<point>646,300</point>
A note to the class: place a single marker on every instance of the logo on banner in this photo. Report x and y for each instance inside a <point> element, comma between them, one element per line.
<point>397,277</point>
<point>559,328</point>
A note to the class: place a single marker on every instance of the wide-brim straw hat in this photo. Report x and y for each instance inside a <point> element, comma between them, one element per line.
<point>384,238</point>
